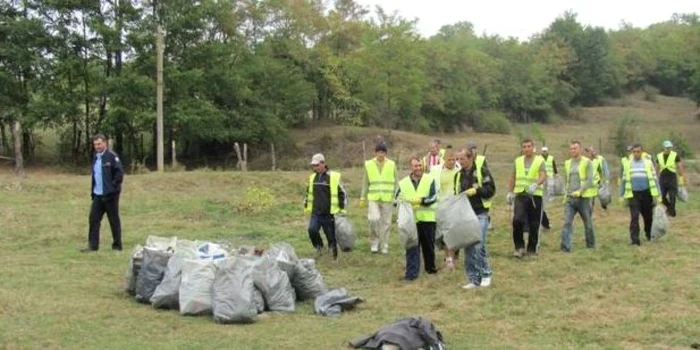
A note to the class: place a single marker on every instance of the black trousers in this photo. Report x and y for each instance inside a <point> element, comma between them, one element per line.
<point>101,205</point>
<point>528,211</point>
<point>641,203</point>
<point>327,222</point>
<point>669,192</point>
<point>426,246</point>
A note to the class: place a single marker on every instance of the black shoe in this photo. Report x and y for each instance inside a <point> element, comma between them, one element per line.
<point>335,253</point>
<point>638,244</point>
<point>431,272</point>
<point>87,250</point>
<point>116,247</point>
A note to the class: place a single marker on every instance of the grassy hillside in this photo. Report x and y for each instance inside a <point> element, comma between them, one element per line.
<point>613,297</point>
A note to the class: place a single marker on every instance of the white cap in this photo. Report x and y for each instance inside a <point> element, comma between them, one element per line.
<point>317,159</point>
<point>545,149</point>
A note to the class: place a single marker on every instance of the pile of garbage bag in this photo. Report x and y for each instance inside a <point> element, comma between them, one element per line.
<point>232,285</point>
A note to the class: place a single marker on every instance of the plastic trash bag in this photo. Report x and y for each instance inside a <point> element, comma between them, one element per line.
<point>604,194</point>
<point>167,295</point>
<point>213,251</point>
<point>284,255</point>
<point>555,186</point>
<point>274,284</point>
<point>457,223</point>
<point>195,287</point>
<point>155,262</point>
<point>233,292</point>
<point>408,231</point>
<point>659,224</point>
<point>344,234</point>
<point>335,302</point>
<point>161,243</point>
<point>258,300</point>
<point>683,194</point>
<point>307,281</point>
<point>132,270</point>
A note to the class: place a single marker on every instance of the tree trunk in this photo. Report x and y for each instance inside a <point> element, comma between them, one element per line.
<point>274,157</point>
<point>3,139</point>
<point>159,92</point>
<point>16,137</point>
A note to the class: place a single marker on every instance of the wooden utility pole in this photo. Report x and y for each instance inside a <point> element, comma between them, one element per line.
<point>159,89</point>
<point>17,138</point>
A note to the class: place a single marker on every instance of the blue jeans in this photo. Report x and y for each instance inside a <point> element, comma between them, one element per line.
<point>476,263</point>
<point>582,206</point>
<point>327,222</point>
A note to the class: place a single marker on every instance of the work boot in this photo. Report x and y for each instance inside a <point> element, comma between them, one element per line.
<point>335,253</point>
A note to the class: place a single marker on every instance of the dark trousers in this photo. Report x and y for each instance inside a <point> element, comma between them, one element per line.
<point>641,203</point>
<point>669,192</point>
<point>545,220</point>
<point>426,245</point>
<point>327,222</point>
<point>101,205</point>
<point>528,211</point>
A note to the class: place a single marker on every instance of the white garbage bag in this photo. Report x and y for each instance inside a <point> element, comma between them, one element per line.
<point>161,243</point>
<point>408,231</point>
<point>659,224</point>
<point>458,224</point>
<point>167,295</point>
<point>195,287</point>
<point>683,194</point>
<point>132,270</point>
<point>285,256</point>
<point>307,280</point>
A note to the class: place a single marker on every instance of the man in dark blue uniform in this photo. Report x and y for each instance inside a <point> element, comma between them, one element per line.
<point>107,177</point>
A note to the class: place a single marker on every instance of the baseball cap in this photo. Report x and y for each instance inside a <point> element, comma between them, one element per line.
<point>545,149</point>
<point>668,144</point>
<point>317,159</point>
<point>629,148</point>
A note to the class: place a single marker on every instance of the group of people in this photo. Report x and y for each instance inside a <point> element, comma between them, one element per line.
<point>445,172</point>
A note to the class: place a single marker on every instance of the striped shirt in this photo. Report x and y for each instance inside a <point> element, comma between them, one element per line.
<point>640,181</point>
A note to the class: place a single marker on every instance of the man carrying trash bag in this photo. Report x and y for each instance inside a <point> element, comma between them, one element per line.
<point>526,191</point>
<point>479,186</point>
<point>419,189</point>
<point>325,198</point>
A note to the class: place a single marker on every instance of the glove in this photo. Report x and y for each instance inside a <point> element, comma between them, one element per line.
<point>576,194</point>
<point>532,188</point>
<point>363,203</point>
<point>510,198</point>
<point>470,192</point>
<point>660,200</point>
<point>681,181</point>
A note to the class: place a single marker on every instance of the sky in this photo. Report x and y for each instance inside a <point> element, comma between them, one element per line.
<point>522,19</point>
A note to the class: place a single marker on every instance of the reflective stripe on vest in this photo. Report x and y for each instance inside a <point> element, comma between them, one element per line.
<point>381,185</point>
<point>669,164</point>
<point>334,183</point>
<point>410,193</point>
<point>523,180</point>
<point>582,167</point>
<point>549,166</point>
<point>479,180</point>
<point>649,169</point>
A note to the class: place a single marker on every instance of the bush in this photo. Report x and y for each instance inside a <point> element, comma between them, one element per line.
<point>624,135</point>
<point>650,93</point>
<point>492,122</point>
<point>256,200</point>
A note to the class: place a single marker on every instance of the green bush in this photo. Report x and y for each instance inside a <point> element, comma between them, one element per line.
<point>492,122</point>
<point>650,93</point>
<point>624,134</point>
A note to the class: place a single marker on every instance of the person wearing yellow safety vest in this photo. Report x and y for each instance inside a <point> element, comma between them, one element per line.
<point>479,186</point>
<point>671,176</point>
<point>525,193</point>
<point>601,172</point>
<point>551,169</point>
<point>419,189</point>
<point>579,191</point>
<point>434,158</point>
<point>325,197</point>
<point>444,176</point>
<point>379,185</point>
<point>639,187</point>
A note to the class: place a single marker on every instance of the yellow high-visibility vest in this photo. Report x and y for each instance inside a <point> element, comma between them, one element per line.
<point>334,183</point>
<point>582,167</point>
<point>410,193</point>
<point>524,180</point>
<point>381,184</point>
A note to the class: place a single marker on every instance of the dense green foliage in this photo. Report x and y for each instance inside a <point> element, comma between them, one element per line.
<point>249,70</point>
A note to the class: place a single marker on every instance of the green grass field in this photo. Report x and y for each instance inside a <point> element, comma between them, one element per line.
<point>614,297</point>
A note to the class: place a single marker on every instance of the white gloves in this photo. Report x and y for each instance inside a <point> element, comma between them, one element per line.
<point>532,188</point>
<point>510,198</point>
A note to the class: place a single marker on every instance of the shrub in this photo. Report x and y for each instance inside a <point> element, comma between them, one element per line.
<point>492,122</point>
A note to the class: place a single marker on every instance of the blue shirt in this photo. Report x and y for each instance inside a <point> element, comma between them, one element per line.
<point>640,180</point>
<point>97,175</point>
